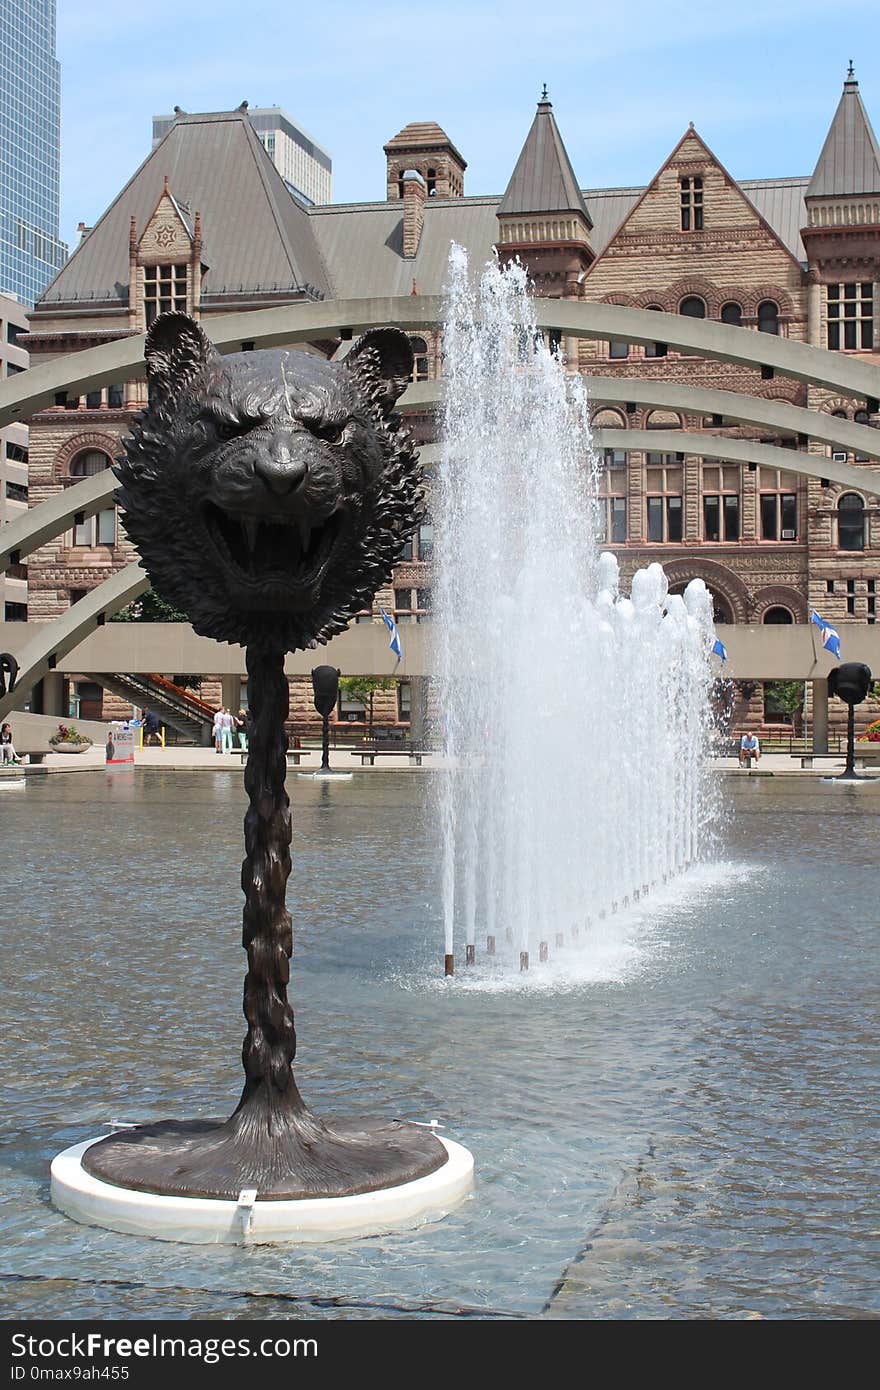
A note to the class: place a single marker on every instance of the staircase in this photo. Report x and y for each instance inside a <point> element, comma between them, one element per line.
<point>185,712</point>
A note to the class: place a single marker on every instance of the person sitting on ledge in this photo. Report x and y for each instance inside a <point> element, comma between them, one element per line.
<point>7,749</point>
<point>749,750</point>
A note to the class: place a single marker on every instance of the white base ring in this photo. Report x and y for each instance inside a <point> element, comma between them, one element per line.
<point>204,1220</point>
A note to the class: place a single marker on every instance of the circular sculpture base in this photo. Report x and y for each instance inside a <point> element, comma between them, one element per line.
<point>250,1220</point>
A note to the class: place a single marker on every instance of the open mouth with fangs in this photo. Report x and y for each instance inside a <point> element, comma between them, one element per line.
<point>285,555</point>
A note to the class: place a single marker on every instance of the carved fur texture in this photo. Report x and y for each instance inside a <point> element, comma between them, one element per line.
<point>270,493</point>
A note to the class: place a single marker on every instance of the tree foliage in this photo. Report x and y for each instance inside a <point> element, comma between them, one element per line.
<point>149,608</point>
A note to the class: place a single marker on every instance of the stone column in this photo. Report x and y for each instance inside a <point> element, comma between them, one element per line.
<point>814,307</point>
<point>53,694</point>
<point>418,710</point>
<point>820,714</point>
<point>230,692</point>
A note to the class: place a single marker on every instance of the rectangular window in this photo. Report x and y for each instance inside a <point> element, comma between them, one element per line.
<point>778,504</point>
<point>15,613</point>
<point>116,397</point>
<point>655,519</point>
<point>851,315</point>
<point>404,702</point>
<point>711,518</point>
<point>618,349</point>
<point>164,290</point>
<point>691,198</point>
<point>426,540</point>
<point>93,400</point>
<point>107,527</point>
<point>674,511</point>
<point>17,492</point>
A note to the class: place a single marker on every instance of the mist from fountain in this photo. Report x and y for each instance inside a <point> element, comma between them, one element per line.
<point>576,719</point>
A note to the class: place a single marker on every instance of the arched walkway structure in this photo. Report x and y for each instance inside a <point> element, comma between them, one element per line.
<point>32,390</point>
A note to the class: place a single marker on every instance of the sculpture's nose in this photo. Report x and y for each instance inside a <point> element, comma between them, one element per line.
<point>280,464</point>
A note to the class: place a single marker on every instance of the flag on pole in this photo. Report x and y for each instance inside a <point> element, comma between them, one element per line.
<point>830,635</point>
<point>391,625</point>
<point>719,649</point>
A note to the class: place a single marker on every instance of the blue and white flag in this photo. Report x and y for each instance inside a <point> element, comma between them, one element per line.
<point>830,635</point>
<point>719,649</point>
<point>391,625</point>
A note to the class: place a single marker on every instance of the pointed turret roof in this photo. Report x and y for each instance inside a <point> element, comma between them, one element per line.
<point>543,180</point>
<point>850,158</point>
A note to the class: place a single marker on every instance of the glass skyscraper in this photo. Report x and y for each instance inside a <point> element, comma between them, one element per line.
<point>30,148</point>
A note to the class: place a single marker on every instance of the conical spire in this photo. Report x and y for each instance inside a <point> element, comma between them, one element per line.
<point>543,180</point>
<point>850,159</point>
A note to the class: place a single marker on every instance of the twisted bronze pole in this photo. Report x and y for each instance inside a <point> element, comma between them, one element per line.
<point>267,936</point>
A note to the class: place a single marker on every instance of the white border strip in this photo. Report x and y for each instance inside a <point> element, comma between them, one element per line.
<point>202,1220</point>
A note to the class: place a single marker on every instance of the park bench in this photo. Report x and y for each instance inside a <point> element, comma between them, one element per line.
<point>868,753</point>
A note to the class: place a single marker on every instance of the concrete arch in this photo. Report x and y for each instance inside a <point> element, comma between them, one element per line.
<point>37,387</point>
<point>741,451</point>
<point>51,641</point>
<point>717,577</point>
<point>779,596</point>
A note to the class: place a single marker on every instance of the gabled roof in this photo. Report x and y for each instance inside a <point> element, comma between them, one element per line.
<point>850,159</point>
<point>543,180</point>
<point>259,237</point>
<point>692,136</point>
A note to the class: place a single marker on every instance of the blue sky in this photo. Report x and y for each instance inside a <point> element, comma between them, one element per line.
<point>759,80</point>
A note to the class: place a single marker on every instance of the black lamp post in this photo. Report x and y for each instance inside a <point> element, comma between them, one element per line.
<point>850,683</point>
<point>325,683</point>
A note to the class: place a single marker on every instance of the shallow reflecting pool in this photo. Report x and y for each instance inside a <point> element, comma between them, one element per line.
<point>676,1120</point>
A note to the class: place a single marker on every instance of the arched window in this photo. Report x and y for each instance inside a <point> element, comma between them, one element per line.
<point>101,528</point>
<point>732,313</point>
<point>693,308</point>
<point>768,317</point>
<point>420,359</point>
<point>778,614</point>
<point>88,463</point>
<point>851,522</point>
<point>431,182</point>
<point>655,349</point>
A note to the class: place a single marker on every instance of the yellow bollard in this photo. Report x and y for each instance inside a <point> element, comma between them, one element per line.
<point>162,735</point>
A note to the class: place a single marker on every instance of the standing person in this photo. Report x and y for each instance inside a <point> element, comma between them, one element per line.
<point>151,726</point>
<point>226,731</point>
<point>240,722</point>
<point>7,748</point>
<point>217,731</point>
<point>749,750</point>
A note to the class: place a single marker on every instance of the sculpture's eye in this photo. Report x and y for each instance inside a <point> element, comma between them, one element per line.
<point>228,429</point>
<point>331,431</point>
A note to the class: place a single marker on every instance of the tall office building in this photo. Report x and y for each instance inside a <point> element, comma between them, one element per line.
<point>305,167</point>
<point>30,145</point>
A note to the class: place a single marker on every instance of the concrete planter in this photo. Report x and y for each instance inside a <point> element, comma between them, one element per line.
<point>69,747</point>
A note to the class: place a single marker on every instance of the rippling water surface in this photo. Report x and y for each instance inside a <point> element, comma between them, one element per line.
<point>677,1120</point>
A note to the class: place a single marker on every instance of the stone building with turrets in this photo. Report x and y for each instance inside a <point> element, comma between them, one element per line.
<point>207,224</point>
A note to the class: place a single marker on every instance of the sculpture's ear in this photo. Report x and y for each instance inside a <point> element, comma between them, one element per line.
<point>386,353</point>
<point>176,350</point>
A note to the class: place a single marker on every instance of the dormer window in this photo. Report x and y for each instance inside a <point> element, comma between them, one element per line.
<point>164,290</point>
<point>691,204</point>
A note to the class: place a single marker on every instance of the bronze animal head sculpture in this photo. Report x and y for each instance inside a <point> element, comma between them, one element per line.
<point>270,493</point>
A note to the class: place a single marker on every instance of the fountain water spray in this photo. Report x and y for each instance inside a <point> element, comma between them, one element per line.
<point>576,719</point>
